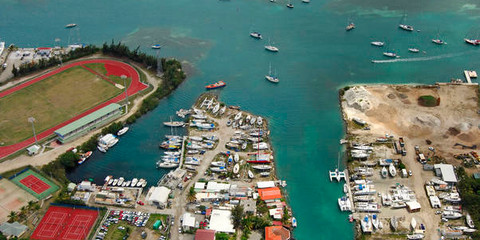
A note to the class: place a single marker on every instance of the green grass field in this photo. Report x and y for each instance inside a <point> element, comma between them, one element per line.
<point>53,187</point>
<point>51,102</point>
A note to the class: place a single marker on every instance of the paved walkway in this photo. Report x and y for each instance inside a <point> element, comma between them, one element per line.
<point>134,87</point>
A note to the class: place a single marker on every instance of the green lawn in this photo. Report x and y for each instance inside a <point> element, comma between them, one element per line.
<point>51,102</point>
<point>116,234</point>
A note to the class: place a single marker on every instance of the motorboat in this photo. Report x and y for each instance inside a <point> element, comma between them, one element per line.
<point>406,27</point>
<point>387,199</point>
<point>384,172</point>
<point>253,120</point>
<point>84,157</point>
<point>115,181</point>
<point>71,25</point>
<point>469,221</point>
<point>127,183</point>
<point>216,85</point>
<point>345,188</point>
<point>262,167</point>
<point>259,121</point>
<point>218,169</point>
<point>474,42</point>
<point>265,174</point>
<point>416,236</point>
<point>367,207</point>
<point>271,48</point>
<point>156,46</point>
<point>439,41</point>
<point>392,170</point>
<point>122,131</point>
<point>256,35</point>
<point>236,168</point>
<point>414,50</point>
<point>289,5</point>
<point>413,223</point>
<point>451,215</point>
<point>222,111</point>
<point>294,222</point>
<point>102,149</point>
<point>236,157</point>
<point>378,44</point>
<point>364,198</point>
<point>218,164</point>
<point>350,26</point>
<point>167,165</point>
<point>390,54</point>
<point>120,181</point>
<point>141,182</point>
<point>250,174</point>
<point>134,182</point>
<point>306,1</point>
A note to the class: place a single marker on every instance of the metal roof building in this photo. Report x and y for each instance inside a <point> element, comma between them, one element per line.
<point>446,171</point>
<point>88,123</point>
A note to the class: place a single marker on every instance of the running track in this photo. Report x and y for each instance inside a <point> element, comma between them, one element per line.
<point>134,87</point>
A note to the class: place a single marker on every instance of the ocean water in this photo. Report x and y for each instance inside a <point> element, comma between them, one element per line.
<point>316,58</point>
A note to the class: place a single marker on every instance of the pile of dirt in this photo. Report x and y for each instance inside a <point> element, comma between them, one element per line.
<point>359,98</point>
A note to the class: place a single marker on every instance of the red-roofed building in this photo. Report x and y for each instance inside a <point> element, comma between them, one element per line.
<point>205,234</point>
<point>276,233</point>
<point>268,194</point>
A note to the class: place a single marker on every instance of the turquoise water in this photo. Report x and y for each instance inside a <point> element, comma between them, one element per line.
<point>316,58</point>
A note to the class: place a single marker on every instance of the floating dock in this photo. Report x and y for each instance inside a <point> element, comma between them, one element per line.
<point>469,75</point>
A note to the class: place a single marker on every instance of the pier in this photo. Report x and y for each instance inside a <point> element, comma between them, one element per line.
<point>350,197</point>
<point>469,75</point>
<point>182,154</point>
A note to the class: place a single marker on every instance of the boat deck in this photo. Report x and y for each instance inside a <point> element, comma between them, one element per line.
<point>350,197</point>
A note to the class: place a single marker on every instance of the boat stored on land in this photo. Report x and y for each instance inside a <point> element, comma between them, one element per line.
<point>392,170</point>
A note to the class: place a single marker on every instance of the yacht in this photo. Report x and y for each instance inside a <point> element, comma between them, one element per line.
<point>375,221</point>
<point>167,165</point>
<point>438,41</point>
<point>378,44</point>
<point>120,181</point>
<point>259,121</point>
<point>271,48</point>
<point>174,124</point>
<point>366,225</point>
<point>218,164</point>
<point>156,46</point>
<point>469,221</point>
<point>134,182</point>
<point>451,215</point>
<point>289,5</point>
<point>344,204</point>
<point>474,42</point>
<point>122,131</point>
<point>350,26</point>
<point>236,168</point>
<point>71,25</point>
<point>238,116</point>
<point>271,77</point>
<point>414,50</point>
<point>416,236</point>
<point>250,174</point>
<point>390,54</point>
<point>262,167</point>
<point>256,35</point>
<point>406,27</point>
<point>218,169</point>
<point>294,222</point>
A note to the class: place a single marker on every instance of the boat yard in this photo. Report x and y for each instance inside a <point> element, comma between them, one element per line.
<point>402,158</point>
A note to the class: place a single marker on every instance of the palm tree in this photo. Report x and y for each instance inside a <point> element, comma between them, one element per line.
<point>31,204</point>
<point>191,195</point>
<point>12,216</point>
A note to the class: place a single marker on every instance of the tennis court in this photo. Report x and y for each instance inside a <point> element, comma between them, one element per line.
<point>65,223</point>
<point>35,184</point>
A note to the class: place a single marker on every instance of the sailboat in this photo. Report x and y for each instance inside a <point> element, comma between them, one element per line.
<point>438,41</point>
<point>404,26</point>
<point>271,48</point>
<point>350,25</point>
<point>270,77</point>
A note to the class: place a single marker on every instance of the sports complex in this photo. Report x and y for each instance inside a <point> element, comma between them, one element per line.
<point>56,99</point>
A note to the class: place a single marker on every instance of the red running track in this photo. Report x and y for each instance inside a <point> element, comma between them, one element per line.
<point>113,68</point>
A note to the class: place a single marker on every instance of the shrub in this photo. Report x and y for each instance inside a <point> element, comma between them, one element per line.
<point>428,101</point>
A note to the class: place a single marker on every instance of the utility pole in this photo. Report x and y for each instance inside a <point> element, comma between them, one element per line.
<point>125,87</point>
<point>32,120</point>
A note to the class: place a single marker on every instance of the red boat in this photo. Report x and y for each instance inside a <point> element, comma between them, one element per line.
<point>218,84</point>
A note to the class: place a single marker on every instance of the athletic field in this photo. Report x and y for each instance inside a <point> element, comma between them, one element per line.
<point>65,223</point>
<point>52,101</point>
<point>35,184</point>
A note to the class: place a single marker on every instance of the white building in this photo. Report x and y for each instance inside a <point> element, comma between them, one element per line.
<point>217,187</point>
<point>221,221</point>
<point>158,196</point>
<point>447,173</point>
<point>86,186</point>
<point>266,184</point>
<point>188,221</point>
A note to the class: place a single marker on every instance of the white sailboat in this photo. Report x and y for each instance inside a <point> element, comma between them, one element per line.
<point>392,170</point>
<point>270,77</point>
<point>236,168</point>
<point>384,172</point>
<point>271,48</point>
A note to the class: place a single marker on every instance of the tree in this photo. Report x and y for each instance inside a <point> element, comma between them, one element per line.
<point>14,71</point>
<point>191,195</point>
<point>13,216</point>
<point>237,215</point>
<point>31,204</point>
<point>221,236</point>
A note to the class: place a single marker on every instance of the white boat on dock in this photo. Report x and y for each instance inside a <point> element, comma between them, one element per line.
<point>250,174</point>
<point>167,165</point>
<point>262,167</point>
<point>218,164</point>
<point>218,169</point>
<point>384,172</point>
<point>236,168</point>
<point>344,204</point>
<point>392,170</point>
<point>366,225</point>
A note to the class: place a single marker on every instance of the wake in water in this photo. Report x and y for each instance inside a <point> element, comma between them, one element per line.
<point>420,59</point>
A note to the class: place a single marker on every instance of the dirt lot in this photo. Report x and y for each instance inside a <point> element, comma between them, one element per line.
<point>12,198</point>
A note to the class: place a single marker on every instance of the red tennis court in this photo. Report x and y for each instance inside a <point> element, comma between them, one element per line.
<point>34,183</point>
<point>65,223</point>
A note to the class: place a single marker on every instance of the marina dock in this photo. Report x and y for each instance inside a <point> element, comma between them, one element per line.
<point>350,197</point>
<point>182,154</point>
<point>469,75</point>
